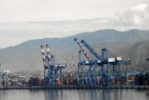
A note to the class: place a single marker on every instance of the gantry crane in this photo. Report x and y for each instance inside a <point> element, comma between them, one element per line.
<point>101,60</point>
<point>52,71</point>
<point>104,61</point>
<point>88,79</point>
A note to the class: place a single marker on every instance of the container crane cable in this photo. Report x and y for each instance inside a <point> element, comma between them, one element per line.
<point>91,49</point>
<point>82,49</point>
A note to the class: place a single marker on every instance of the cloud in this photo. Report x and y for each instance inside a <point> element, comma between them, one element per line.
<point>49,10</point>
<point>16,33</point>
<point>137,16</point>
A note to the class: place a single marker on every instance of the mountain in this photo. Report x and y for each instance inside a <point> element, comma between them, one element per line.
<point>26,57</point>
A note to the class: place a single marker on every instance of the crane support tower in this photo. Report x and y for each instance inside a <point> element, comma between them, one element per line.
<point>88,76</point>
<point>52,71</point>
<point>104,62</point>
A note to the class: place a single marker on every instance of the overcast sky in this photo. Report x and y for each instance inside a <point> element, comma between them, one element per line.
<point>124,13</point>
<point>39,10</point>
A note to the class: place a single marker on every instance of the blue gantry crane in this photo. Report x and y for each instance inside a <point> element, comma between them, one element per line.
<point>52,71</point>
<point>93,63</point>
<point>84,77</point>
<point>101,60</point>
<point>88,70</point>
<point>104,62</point>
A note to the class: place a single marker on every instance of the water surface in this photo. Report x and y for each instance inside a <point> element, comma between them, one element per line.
<point>114,94</point>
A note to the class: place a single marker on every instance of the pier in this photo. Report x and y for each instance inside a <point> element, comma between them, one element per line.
<point>76,87</point>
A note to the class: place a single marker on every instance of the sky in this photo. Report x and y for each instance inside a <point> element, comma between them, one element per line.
<point>22,20</point>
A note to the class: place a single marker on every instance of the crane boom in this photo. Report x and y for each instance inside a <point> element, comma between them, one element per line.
<point>82,49</point>
<point>91,50</point>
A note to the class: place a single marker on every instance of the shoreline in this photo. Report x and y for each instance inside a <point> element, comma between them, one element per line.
<point>75,87</point>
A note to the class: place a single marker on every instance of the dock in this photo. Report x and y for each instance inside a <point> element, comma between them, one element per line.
<point>75,87</point>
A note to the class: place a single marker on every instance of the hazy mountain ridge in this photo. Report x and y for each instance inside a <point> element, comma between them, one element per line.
<point>27,57</point>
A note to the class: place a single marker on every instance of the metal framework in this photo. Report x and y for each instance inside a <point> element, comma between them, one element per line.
<point>104,62</point>
<point>52,71</point>
<point>91,72</point>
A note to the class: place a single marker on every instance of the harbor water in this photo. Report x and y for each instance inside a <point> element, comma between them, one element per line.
<point>99,94</point>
